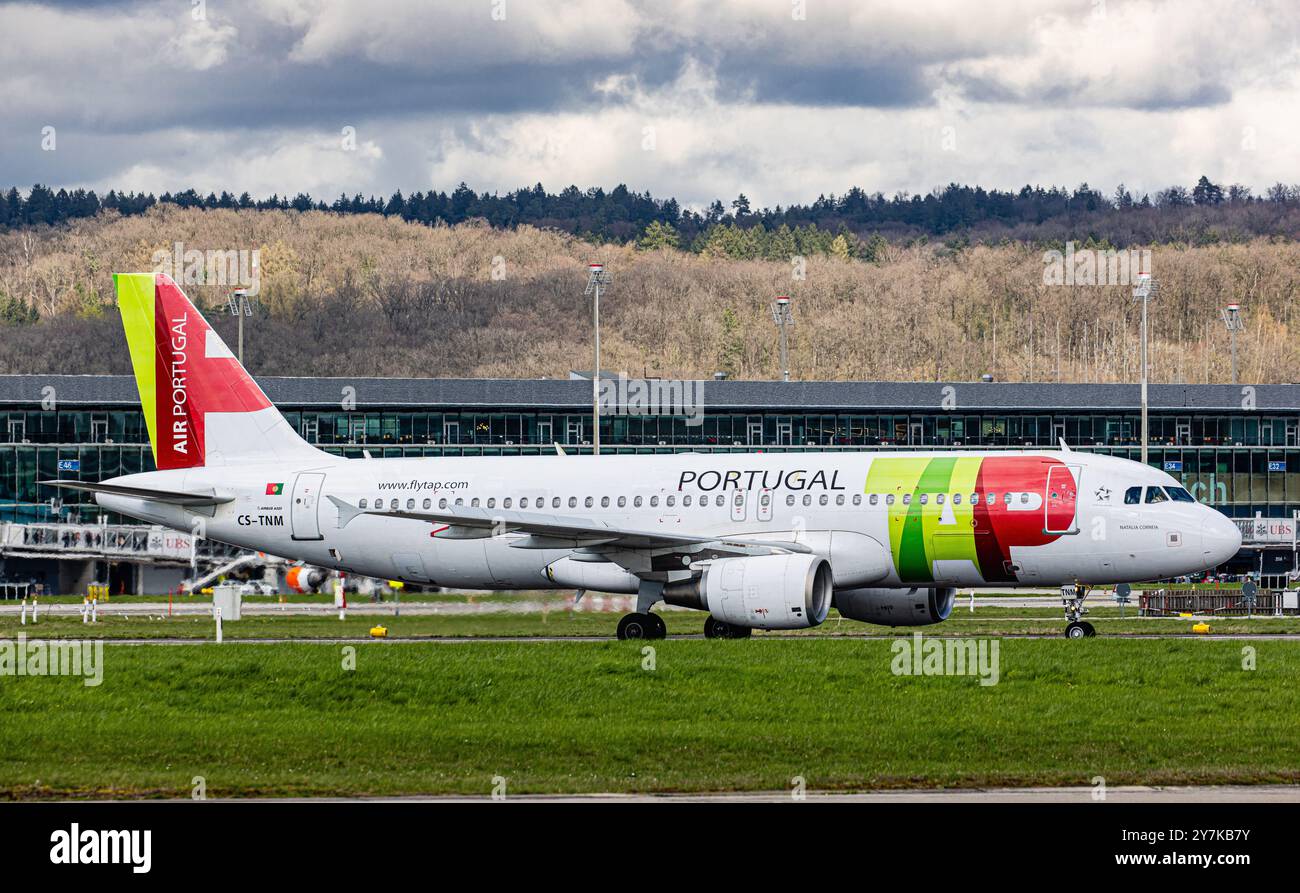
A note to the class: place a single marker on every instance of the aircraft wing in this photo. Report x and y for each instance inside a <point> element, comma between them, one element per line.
<point>562,531</point>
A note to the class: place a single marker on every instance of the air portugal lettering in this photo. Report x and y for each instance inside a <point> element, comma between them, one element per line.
<point>180,430</point>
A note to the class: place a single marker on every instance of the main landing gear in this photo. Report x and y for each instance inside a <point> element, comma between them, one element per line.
<point>642,626</point>
<point>1072,598</point>
<point>716,629</point>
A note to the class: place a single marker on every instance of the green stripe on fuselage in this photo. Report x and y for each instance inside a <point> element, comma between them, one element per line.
<point>920,534</point>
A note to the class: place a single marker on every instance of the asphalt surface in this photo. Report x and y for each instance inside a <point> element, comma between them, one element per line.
<point>1125,794</point>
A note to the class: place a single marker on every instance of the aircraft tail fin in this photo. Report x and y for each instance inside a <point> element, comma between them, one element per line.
<point>200,404</point>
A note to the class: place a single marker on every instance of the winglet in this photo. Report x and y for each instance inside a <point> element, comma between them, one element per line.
<point>559,450</point>
<point>1065,447</point>
<point>346,511</point>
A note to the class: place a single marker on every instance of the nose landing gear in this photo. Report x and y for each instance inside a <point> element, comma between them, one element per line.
<point>1072,598</point>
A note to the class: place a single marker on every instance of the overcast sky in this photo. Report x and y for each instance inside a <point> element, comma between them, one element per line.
<point>780,99</point>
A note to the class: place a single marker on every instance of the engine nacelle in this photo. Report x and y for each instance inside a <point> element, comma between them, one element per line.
<point>896,607</point>
<point>761,592</point>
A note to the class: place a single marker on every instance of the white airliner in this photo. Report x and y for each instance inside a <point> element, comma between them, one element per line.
<point>760,541</point>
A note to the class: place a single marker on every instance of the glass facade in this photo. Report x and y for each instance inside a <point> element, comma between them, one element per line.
<point>1243,463</point>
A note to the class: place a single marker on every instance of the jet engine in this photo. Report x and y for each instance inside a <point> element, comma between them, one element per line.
<point>896,607</point>
<point>760,592</point>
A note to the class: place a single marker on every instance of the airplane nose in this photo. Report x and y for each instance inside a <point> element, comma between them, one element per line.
<point>1220,538</point>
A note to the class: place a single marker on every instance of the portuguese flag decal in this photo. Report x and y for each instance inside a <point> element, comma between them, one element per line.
<point>274,489</point>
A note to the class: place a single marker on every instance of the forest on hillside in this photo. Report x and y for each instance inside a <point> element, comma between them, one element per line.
<point>368,294</point>
<point>1203,213</point>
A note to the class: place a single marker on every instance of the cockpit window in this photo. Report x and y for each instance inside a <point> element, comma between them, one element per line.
<point>1133,495</point>
<point>1178,494</point>
<point>1155,494</point>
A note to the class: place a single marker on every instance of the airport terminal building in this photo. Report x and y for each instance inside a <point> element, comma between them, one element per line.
<point>1235,448</point>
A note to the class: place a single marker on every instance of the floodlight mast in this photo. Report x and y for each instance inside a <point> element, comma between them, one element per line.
<point>239,306</point>
<point>597,280</point>
<point>783,316</point>
<point>1144,291</point>
<point>1234,322</point>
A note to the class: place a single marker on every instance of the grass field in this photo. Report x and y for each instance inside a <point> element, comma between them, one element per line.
<point>584,716</point>
<point>986,621</point>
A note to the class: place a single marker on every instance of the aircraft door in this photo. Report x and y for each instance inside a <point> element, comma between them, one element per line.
<point>1060,499</point>
<point>738,507</point>
<point>304,511</point>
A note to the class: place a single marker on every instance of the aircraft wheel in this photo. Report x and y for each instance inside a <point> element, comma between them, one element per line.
<point>636,626</point>
<point>1076,630</point>
<point>716,629</point>
<point>1088,629</point>
<point>659,628</point>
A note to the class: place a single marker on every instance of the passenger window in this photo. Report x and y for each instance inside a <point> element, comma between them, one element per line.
<point>604,502</point>
<point>492,502</point>
<point>588,502</point>
<point>654,501</point>
<point>990,498</point>
<point>839,499</point>
<point>907,499</point>
<point>459,501</point>
<point>956,499</point>
<point>1133,495</point>
<point>636,502</point>
<point>1024,499</point>
<point>573,502</point>
<point>672,500</point>
<point>766,499</point>
<point>622,501</point>
<point>720,502</point>
<point>410,505</point>
<point>925,497</point>
<point>857,499</point>
<point>506,503</point>
<point>555,502</point>
<point>889,499</point>
<point>523,502</point>
<point>473,503</point>
<point>823,499</point>
<point>428,503</point>
<point>1155,494</point>
<point>807,499</point>
<point>789,500</point>
<point>361,504</point>
<point>686,500</point>
<point>442,503</point>
<point>393,505</point>
<point>1006,498</point>
<point>938,499</point>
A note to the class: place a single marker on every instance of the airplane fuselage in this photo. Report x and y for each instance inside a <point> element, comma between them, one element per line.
<point>889,519</point>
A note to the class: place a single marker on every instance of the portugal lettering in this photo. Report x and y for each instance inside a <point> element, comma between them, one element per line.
<point>180,398</point>
<point>758,479</point>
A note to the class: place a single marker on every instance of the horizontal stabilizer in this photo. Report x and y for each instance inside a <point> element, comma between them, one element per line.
<point>173,497</point>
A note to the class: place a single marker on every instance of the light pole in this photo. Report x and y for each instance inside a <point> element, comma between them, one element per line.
<point>1145,290</point>
<point>1235,322</point>
<point>597,280</point>
<point>240,306</point>
<point>783,316</point>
